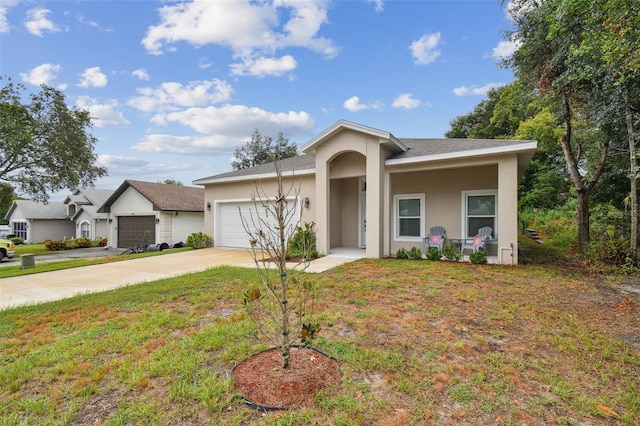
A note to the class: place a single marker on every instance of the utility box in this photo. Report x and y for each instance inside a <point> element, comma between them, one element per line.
<point>28,261</point>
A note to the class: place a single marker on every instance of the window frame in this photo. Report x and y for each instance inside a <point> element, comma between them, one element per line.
<point>19,232</point>
<point>396,216</point>
<point>465,216</point>
<point>88,228</point>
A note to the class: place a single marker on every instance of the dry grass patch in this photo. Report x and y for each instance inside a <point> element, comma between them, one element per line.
<point>418,343</point>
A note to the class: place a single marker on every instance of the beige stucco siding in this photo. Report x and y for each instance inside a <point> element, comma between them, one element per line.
<point>344,221</point>
<point>240,191</point>
<point>443,196</point>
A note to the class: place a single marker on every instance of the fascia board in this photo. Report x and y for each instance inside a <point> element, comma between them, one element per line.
<point>465,154</point>
<point>254,177</point>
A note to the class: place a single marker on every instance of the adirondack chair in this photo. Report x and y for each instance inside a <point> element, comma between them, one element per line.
<point>436,238</point>
<point>479,241</point>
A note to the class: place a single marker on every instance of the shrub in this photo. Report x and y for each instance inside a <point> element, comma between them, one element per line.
<point>17,240</point>
<point>606,253</point>
<point>451,253</point>
<point>402,253</point>
<point>55,245</point>
<point>82,242</point>
<point>479,257</point>
<point>433,254</point>
<point>415,253</point>
<point>199,240</point>
<point>303,242</point>
<point>99,242</point>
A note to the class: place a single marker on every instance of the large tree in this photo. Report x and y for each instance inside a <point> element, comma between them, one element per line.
<point>45,145</point>
<point>548,33</point>
<point>262,149</point>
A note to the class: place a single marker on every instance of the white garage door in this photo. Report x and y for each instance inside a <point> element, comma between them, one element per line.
<point>229,229</point>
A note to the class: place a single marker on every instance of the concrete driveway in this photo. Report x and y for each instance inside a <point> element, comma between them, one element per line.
<point>56,285</point>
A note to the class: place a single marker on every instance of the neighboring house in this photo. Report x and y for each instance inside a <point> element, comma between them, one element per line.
<point>82,209</point>
<point>170,212</point>
<point>36,222</point>
<point>363,187</point>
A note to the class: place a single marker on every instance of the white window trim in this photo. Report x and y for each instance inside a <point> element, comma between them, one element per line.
<point>396,216</point>
<point>477,192</point>
<point>88,225</point>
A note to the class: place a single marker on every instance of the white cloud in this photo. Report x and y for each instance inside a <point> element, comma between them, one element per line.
<point>103,114</point>
<point>505,49</point>
<point>353,104</point>
<point>187,145</point>
<point>265,66</point>
<point>425,49</point>
<point>172,95</point>
<point>379,5</point>
<point>476,90</point>
<point>204,63</point>
<point>37,22</point>
<point>42,74</point>
<point>406,101</point>
<point>254,39</point>
<point>5,26</point>
<point>238,120</point>
<point>141,74</point>
<point>121,168</point>
<point>93,77</point>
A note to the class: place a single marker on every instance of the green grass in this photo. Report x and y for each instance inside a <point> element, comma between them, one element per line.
<point>34,249</point>
<point>418,343</point>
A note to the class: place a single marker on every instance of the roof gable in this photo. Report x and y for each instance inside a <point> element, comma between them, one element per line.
<point>386,138</point>
<point>163,196</point>
<point>36,210</point>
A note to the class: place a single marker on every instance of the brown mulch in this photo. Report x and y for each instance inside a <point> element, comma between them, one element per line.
<point>266,385</point>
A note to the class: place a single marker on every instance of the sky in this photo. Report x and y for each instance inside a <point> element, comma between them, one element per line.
<point>175,86</point>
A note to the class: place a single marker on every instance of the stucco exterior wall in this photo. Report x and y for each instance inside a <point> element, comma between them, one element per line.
<point>245,190</point>
<point>344,221</point>
<point>443,196</point>
<point>185,224</point>
<point>53,229</point>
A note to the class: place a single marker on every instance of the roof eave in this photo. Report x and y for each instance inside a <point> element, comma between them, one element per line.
<point>510,149</point>
<point>210,180</point>
<point>310,147</point>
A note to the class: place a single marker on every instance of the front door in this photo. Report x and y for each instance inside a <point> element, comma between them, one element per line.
<point>362,213</point>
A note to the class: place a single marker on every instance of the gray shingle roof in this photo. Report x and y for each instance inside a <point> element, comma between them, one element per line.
<point>417,148</point>
<point>162,196</point>
<point>35,210</point>
<point>300,162</point>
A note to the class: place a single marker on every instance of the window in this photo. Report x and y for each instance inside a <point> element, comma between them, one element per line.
<point>409,216</point>
<point>480,211</point>
<point>20,229</point>
<point>85,230</point>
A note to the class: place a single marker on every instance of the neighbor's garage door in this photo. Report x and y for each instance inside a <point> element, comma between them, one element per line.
<point>131,230</point>
<point>230,232</point>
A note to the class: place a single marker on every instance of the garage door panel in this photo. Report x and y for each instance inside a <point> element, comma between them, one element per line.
<point>231,232</point>
<point>131,230</point>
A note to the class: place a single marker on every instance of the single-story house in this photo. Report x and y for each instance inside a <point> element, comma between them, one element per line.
<point>35,222</point>
<point>170,212</point>
<point>364,187</point>
<point>82,209</point>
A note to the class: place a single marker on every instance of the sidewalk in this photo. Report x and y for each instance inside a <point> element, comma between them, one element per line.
<point>56,285</point>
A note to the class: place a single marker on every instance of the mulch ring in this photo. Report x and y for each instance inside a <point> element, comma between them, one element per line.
<point>265,385</point>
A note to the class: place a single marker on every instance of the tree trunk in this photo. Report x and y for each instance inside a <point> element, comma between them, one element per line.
<point>633,176</point>
<point>583,220</point>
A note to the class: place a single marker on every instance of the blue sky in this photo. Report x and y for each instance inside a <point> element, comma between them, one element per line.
<point>175,87</point>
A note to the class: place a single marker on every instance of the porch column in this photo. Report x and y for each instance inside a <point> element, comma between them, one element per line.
<point>375,198</point>
<point>508,210</point>
<point>386,216</point>
<point>322,204</point>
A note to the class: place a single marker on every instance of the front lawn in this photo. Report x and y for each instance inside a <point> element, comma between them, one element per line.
<point>419,342</point>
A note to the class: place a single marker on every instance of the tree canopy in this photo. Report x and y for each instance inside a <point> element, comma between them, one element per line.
<point>45,145</point>
<point>262,149</point>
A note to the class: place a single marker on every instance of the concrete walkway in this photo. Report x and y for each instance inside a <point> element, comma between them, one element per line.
<point>56,285</point>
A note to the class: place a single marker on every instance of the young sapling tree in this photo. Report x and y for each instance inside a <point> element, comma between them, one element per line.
<point>281,307</point>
